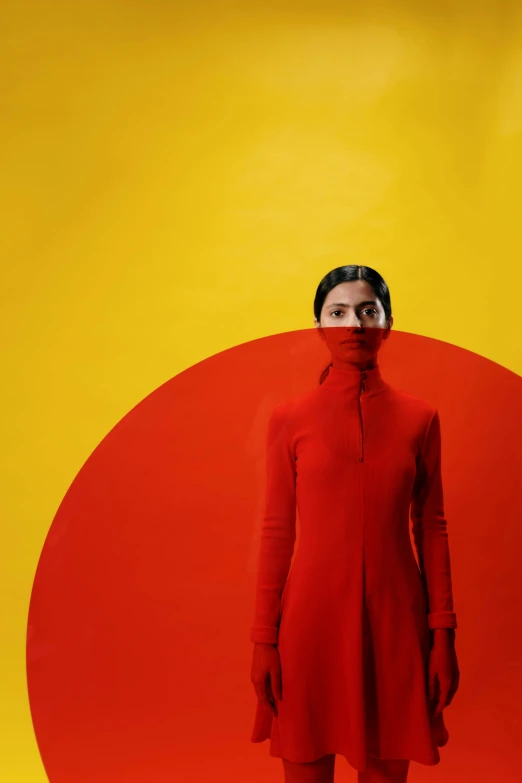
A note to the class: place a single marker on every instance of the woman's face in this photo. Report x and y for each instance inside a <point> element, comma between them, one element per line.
<point>359,318</point>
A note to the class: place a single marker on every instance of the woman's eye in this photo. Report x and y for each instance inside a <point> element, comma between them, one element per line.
<point>335,311</point>
<point>370,310</point>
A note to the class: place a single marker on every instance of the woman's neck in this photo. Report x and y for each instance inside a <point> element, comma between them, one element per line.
<point>364,364</point>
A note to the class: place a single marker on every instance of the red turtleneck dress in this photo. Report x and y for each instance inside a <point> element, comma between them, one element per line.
<point>356,459</point>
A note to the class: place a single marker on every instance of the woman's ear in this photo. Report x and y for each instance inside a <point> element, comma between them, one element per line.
<point>319,328</point>
<point>388,328</point>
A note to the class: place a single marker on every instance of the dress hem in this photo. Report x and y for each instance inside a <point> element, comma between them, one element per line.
<point>339,752</point>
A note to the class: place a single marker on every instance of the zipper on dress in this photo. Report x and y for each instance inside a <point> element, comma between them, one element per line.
<point>361,389</point>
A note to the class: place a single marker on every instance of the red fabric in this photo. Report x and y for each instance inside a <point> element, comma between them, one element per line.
<point>352,617</point>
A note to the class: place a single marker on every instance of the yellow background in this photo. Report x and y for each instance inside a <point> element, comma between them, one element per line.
<point>176,179</point>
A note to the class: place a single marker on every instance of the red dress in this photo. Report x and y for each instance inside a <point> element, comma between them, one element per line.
<point>352,616</point>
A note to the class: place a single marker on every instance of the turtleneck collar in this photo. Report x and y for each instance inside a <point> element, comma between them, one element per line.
<point>351,381</point>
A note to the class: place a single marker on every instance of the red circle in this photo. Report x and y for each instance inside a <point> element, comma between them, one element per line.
<point>138,648</point>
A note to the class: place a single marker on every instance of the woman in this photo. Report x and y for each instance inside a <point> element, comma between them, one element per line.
<point>354,648</point>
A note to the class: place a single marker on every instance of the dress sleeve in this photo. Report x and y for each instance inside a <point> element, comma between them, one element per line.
<point>429,529</point>
<point>278,530</point>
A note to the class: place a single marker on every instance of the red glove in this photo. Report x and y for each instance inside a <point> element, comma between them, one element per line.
<point>266,675</point>
<point>443,671</point>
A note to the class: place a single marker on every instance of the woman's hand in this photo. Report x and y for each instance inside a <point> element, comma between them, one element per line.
<point>443,670</point>
<point>266,675</point>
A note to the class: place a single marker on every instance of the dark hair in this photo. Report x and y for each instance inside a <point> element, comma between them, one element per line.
<point>345,274</point>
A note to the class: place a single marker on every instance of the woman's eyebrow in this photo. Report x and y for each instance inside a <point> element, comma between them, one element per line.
<point>345,304</point>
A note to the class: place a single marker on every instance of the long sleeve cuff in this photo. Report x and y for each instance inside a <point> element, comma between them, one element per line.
<point>442,620</point>
<point>263,634</point>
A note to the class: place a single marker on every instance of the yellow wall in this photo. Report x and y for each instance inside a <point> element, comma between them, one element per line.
<point>176,179</point>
